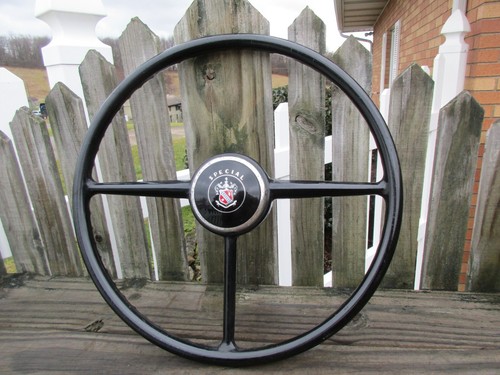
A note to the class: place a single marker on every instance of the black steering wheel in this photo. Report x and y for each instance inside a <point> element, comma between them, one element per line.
<point>236,205</point>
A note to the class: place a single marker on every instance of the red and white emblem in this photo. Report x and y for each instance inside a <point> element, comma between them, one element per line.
<point>226,192</point>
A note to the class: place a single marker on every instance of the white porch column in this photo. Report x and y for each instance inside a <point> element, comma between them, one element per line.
<point>12,97</point>
<point>449,77</point>
<point>73,26</point>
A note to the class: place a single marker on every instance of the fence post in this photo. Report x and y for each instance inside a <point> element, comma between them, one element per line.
<point>15,212</point>
<point>227,107</point>
<point>68,124</point>
<point>45,189</point>
<point>458,137</point>
<point>409,111</point>
<point>3,271</point>
<point>306,98</point>
<point>154,139</point>
<point>484,267</point>
<point>98,80</point>
<point>73,26</point>
<point>350,150</point>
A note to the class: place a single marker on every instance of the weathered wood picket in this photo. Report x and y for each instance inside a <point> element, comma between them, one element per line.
<point>350,153</point>
<point>17,215</point>
<point>306,95</point>
<point>154,139</point>
<point>411,98</point>
<point>227,107</point>
<point>485,253</point>
<point>116,163</point>
<point>68,124</point>
<point>454,167</point>
<point>39,167</point>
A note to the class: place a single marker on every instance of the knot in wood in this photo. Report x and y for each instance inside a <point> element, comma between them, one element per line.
<point>209,74</point>
<point>305,124</point>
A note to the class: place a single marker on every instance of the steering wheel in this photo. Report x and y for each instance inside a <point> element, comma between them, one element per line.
<point>235,205</point>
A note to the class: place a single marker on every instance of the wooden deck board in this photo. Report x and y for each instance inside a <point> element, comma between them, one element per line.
<point>43,329</point>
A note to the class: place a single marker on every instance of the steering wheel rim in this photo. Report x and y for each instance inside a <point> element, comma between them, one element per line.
<point>390,188</point>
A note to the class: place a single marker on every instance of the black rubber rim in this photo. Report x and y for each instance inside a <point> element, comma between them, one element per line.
<point>389,188</point>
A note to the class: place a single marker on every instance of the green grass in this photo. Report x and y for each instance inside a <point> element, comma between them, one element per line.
<point>188,220</point>
<point>10,266</point>
<point>137,161</point>
<point>180,153</point>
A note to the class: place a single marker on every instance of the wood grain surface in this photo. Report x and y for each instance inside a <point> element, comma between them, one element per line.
<point>62,325</point>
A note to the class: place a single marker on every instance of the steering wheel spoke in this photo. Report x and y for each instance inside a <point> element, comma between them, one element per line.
<point>316,189</point>
<point>167,189</point>
<point>228,343</point>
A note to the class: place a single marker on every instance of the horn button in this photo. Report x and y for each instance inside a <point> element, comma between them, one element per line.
<point>229,194</point>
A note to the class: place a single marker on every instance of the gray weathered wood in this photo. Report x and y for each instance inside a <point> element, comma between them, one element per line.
<point>3,270</point>
<point>484,270</point>
<point>115,157</point>
<point>227,107</point>
<point>350,159</point>
<point>68,124</point>
<point>16,215</point>
<point>42,178</point>
<point>306,98</point>
<point>457,144</point>
<point>46,326</point>
<point>411,98</point>
<point>152,128</point>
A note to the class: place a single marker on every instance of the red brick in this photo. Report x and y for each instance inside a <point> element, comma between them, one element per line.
<point>485,70</point>
<point>487,41</point>
<point>467,248</point>
<point>485,26</point>
<point>466,255</point>
<point>480,84</point>
<point>489,10</point>
<point>484,56</point>
<point>477,175</point>
<point>487,97</point>
<point>474,202</point>
<point>475,188</point>
<point>464,268</point>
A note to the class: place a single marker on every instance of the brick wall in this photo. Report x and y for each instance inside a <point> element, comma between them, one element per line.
<point>420,38</point>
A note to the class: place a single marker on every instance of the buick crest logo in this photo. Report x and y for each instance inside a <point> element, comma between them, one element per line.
<point>226,192</point>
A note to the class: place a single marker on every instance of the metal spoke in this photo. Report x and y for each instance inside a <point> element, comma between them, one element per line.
<point>312,189</point>
<point>171,189</point>
<point>227,343</point>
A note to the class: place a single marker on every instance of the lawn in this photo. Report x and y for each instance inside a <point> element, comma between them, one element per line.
<point>179,153</point>
<point>10,267</point>
<point>35,80</point>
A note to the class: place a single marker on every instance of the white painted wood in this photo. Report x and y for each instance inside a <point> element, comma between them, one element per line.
<point>73,34</point>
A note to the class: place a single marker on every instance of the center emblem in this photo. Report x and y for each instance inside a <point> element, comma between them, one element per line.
<point>226,193</point>
<point>229,194</point>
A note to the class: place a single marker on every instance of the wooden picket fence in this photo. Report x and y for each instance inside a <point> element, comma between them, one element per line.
<point>227,107</point>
